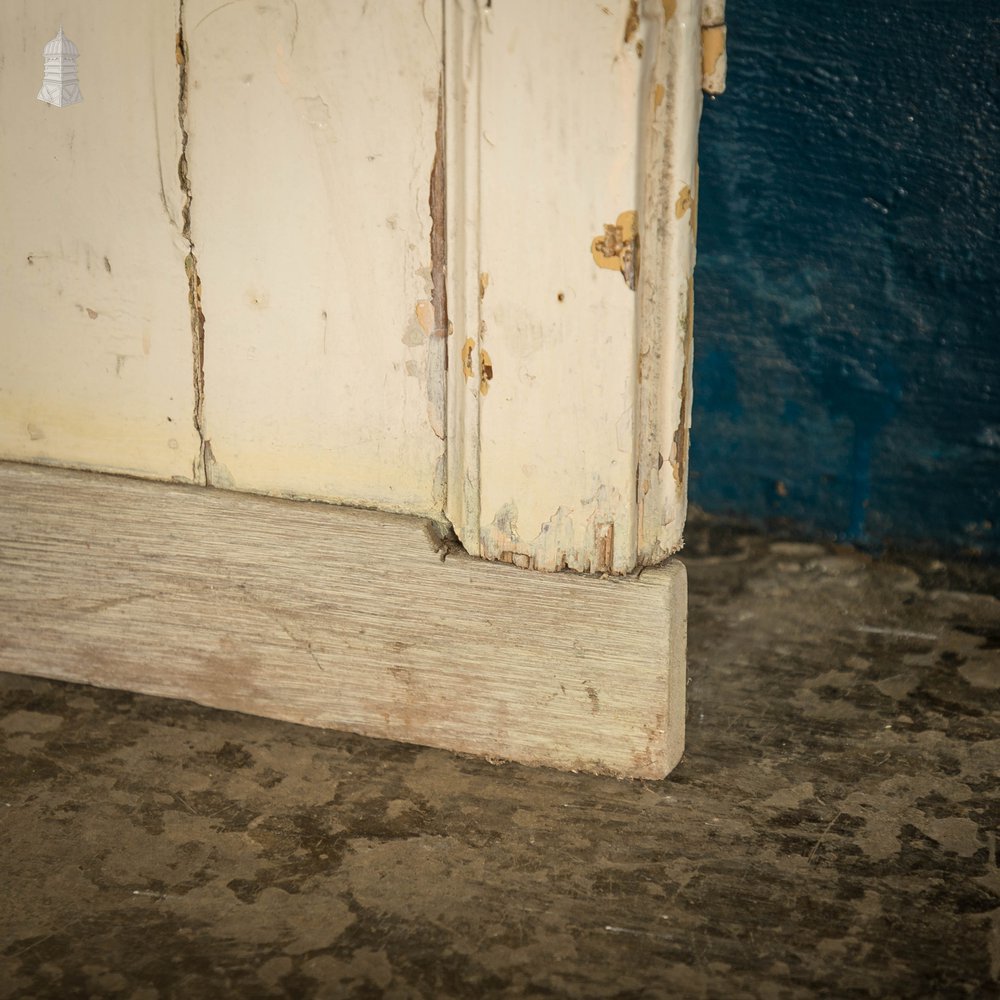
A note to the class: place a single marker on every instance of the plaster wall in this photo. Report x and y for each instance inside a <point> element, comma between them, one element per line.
<point>847,374</point>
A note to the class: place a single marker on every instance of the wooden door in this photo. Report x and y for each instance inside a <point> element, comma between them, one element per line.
<point>426,257</point>
<point>313,135</point>
<point>430,257</point>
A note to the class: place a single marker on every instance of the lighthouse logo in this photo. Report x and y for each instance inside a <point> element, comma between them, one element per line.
<point>60,86</point>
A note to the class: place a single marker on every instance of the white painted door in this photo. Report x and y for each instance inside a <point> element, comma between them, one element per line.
<point>429,256</point>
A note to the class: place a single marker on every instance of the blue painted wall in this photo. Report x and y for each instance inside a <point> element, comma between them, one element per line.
<point>847,364</point>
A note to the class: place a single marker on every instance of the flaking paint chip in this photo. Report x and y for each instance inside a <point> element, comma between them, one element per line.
<point>618,248</point>
<point>467,348</point>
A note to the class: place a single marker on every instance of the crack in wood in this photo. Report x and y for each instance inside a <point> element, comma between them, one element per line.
<point>200,471</point>
<point>437,358</point>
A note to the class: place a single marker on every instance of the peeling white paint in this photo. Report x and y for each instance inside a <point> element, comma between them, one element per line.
<point>294,175</point>
<point>589,394</point>
<point>580,536</point>
<point>323,173</point>
<point>549,311</point>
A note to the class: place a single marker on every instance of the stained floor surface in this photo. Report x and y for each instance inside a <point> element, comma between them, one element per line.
<point>831,831</point>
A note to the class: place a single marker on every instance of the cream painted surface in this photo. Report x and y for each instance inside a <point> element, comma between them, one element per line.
<point>95,334</point>
<point>668,167</point>
<point>569,390</point>
<point>559,141</point>
<point>312,139</point>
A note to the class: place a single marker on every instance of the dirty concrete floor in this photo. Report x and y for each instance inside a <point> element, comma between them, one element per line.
<point>831,831</point>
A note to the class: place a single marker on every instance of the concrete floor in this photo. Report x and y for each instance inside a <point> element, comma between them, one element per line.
<point>831,831</point>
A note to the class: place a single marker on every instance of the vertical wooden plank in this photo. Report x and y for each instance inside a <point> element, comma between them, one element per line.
<point>463,64</point>
<point>313,137</point>
<point>574,216</point>
<point>560,96</point>
<point>95,333</point>
<point>670,112</point>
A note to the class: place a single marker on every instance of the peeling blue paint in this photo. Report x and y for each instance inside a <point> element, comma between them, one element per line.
<point>847,375</point>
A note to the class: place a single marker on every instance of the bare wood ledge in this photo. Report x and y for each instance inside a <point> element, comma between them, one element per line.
<point>337,617</point>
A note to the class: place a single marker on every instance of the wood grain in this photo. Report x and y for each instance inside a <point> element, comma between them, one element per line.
<point>337,617</point>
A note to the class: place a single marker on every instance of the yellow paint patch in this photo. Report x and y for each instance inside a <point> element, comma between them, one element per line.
<point>659,93</point>
<point>669,8</point>
<point>425,315</point>
<point>486,370</point>
<point>467,348</point>
<point>147,342</point>
<point>484,283</point>
<point>632,21</point>
<point>685,201</point>
<point>617,249</point>
<point>55,426</point>
<point>713,49</point>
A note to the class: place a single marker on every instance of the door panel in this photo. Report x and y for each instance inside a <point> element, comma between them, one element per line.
<point>558,161</point>
<point>95,337</point>
<point>572,185</point>
<point>313,132</point>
